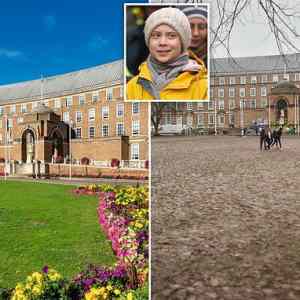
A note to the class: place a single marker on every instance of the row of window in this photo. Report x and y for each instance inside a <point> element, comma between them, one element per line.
<point>242,92</point>
<point>264,78</point>
<point>105,109</point>
<point>104,113</point>
<point>120,130</point>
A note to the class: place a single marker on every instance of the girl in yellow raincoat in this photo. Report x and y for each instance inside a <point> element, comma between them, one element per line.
<point>168,73</point>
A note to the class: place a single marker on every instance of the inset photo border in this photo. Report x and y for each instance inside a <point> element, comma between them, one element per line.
<point>166,52</point>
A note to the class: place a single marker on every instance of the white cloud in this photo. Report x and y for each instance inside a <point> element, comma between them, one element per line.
<point>10,53</point>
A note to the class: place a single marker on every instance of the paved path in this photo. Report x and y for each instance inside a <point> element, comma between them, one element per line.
<point>225,219</point>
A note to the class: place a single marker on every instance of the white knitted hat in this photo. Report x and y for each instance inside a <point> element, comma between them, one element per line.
<point>173,17</point>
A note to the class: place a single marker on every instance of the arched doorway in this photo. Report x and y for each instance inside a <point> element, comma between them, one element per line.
<point>28,146</point>
<point>57,145</point>
<point>282,111</point>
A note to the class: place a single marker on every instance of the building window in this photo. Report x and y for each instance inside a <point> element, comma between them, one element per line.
<point>105,130</point>
<point>211,104</point>
<point>120,110</point>
<point>66,117</point>
<point>189,106</point>
<point>120,129</point>
<point>1,111</point>
<point>200,119</point>
<point>243,80</point>
<point>95,97</point>
<point>286,76</point>
<point>221,93</point>
<point>221,80</point>
<point>221,120</point>
<point>81,99</point>
<point>13,109</point>
<point>264,78</point>
<point>242,104</point>
<point>109,93</point>
<point>135,151</point>
<point>211,119</point>
<point>57,103</point>
<point>105,112</point>
<point>221,104</point>
<point>78,116</point>
<point>92,114</point>
<point>275,78</point>
<point>69,101</point>
<point>297,76</point>
<point>231,92</point>
<point>263,103</point>
<point>23,108</point>
<point>91,132</point>
<point>231,80</point>
<point>252,104</point>
<point>253,79</point>
<point>231,104</point>
<point>263,91</point>
<point>135,107</point>
<point>135,127</point>
<point>242,92</point>
<point>200,105</point>
<point>78,133</point>
<point>253,92</point>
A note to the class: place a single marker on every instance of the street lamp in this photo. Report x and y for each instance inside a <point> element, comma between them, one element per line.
<point>70,149</point>
<point>242,117</point>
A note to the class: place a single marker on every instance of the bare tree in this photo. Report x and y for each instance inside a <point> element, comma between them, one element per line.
<point>280,17</point>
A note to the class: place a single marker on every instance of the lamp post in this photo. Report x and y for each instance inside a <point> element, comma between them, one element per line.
<point>70,149</point>
<point>242,117</point>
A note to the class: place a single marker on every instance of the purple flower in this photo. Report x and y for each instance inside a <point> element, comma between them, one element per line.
<point>45,269</point>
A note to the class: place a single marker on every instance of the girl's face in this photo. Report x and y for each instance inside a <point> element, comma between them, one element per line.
<point>164,43</point>
<point>199,32</point>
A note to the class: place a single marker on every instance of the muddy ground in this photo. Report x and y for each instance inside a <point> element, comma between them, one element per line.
<point>225,219</point>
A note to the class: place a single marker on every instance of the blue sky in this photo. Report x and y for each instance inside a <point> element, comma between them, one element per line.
<point>55,37</point>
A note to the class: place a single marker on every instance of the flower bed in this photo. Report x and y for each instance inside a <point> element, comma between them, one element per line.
<point>123,215</point>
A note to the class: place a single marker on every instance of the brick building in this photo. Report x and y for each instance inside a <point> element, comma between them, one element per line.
<point>244,91</point>
<point>40,116</point>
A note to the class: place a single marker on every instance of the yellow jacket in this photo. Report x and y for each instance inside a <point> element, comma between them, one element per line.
<point>186,86</point>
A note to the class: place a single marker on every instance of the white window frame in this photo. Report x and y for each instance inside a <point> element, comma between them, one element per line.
<point>221,80</point>
<point>231,92</point>
<point>120,132</point>
<point>77,118</point>
<point>109,93</point>
<point>231,80</point>
<point>105,130</point>
<point>91,114</point>
<point>135,129</point>
<point>65,118</point>
<point>94,135</point>
<point>13,109</point>
<point>264,78</point>
<point>263,91</point>
<point>242,92</point>
<point>253,92</point>
<point>135,108</point>
<point>253,79</point>
<point>275,78</point>
<point>23,108</point>
<point>69,101</point>
<point>81,99</point>
<point>135,151</point>
<point>243,79</point>
<point>221,104</point>
<point>120,110</point>
<point>221,92</point>
<point>105,112</point>
<point>78,129</point>
<point>95,97</point>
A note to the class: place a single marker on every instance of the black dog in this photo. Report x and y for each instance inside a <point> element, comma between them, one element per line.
<point>277,137</point>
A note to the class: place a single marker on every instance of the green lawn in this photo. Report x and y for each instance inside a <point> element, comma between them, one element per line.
<point>44,224</point>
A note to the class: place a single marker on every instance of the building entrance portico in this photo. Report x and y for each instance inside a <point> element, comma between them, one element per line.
<point>282,111</point>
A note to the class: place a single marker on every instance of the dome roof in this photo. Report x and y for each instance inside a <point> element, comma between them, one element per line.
<point>285,87</point>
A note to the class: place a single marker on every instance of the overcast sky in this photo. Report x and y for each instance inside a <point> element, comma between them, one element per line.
<point>251,35</point>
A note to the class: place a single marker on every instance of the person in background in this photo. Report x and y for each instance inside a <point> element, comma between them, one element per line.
<point>168,73</point>
<point>197,16</point>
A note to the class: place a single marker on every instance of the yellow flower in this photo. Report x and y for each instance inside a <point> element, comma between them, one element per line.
<point>117,292</point>
<point>37,290</point>
<point>109,287</point>
<point>129,296</point>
